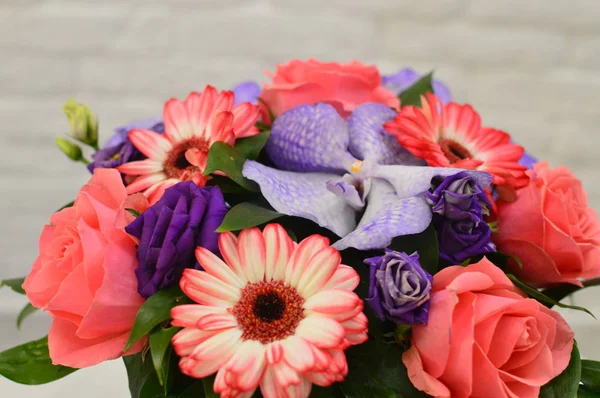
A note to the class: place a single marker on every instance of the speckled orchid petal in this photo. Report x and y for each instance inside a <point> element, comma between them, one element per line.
<point>368,139</point>
<point>303,195</point>
<point>310,139</point>
<point>346,187</point>
<point>413,180</point>
<point>386,217</point>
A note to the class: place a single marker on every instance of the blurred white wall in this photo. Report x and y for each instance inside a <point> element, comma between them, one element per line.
<point>529,67</point>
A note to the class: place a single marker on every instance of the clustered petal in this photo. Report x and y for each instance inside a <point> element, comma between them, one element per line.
<point>273,313</point>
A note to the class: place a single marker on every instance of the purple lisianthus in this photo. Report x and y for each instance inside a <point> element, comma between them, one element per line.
<point>246,92</point>
<point>527,160</point>
<point>459,205</point>
<point>185,217</point>
<point>399,288</point>
<point>404,78</point>
<point>118,149</point>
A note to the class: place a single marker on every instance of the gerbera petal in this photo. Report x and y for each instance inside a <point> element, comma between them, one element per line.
<point>200,109</point>
<point>146,166</point>
<point>186,340</point>
<point>279,247</point>
<point>224,101</point>
<point>177,120</point>
<point>219,128</point>
<point>386,217</point>
<point>217,345</point>
<point>274,352</point>
<point>321,331</point>
<point>187,315</point>
<point>345,278</point>
<point>310,139</point>
<point>318,271</point>
<point>216,267</point>
<point>155,146</point>
<point>252,254</point>
<point>246,354</point>
<point>357,324</point>
<point>143,182</point>
<point>245,116</point>
<point>332,302</point>
<point>228,246</point>
<point>249,370</point>
<point>217,321</point>
<point>210,285</point>
<point>298,353</point>
<point>413,180</point>
<point>303,195</point>
<point>301,256</point>
<point>368,139</point>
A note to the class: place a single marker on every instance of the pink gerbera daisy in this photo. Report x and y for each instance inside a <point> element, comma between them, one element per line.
<point>191,127</point>
<point>273,314</point>
<point>451,135</point>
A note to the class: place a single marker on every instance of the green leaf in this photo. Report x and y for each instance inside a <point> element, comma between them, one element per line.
<point>250,147</point>
<point>208,383</point>
<point>424,243</point>
<point>160,350</point>
<point>133,212</point>
<point>194,390</point>
<point>246,215</point>
<point>565,385</point>
<point>542,298</point>
<point>25,312</point>
<point>143,382</point>
<point>154,311</point>
<point>222,157</point>
<point>590,375</point>
<point>70,204</point>
<point>412,95</point>
<point>584,393</point>
<point>15,284</point>
<point>30,364</point>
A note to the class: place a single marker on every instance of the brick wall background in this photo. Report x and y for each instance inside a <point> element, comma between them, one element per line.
<point>530,67</point>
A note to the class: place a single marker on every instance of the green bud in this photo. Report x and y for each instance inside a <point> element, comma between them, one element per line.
<point>83,123</point>
<point>72,150</point>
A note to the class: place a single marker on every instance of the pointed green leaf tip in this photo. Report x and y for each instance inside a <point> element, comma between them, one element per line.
<point>412,95</point>
<point>246,215</point>
<point>133,212</point>
<point>15,284</point>
<point>25,312</point>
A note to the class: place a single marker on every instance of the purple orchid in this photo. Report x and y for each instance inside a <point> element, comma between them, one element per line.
<point>246,92</point>
<point>330,171</point>
<point>404,78</point>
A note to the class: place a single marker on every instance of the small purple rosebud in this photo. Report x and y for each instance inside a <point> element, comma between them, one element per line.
<point>185,217</point>
<point>459,205</point>
<point>399,288</point>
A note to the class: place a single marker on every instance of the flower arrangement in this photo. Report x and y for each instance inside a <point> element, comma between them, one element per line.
<point>228,248</point>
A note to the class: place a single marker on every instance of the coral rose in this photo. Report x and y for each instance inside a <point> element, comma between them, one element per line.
<point>485,339</point>
<point>551,229</point>
<point>343,86</point>
<point>84,275</point>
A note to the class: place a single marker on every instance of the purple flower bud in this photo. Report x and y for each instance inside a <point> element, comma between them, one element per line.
<point>185,217</point>
<point>459,206</point>
<point>399,288</point>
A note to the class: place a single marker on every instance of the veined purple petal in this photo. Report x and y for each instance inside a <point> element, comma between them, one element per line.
<point>310,139</point>
<point>368,139</point>
<point>413,180</point>
<point>246,92</point>
<point>353,190</point>
<point>303,195</point>
<point>386,217</point>
<point>404,78</point>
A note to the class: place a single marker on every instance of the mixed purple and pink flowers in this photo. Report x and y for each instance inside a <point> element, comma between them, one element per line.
<point>385,192</point>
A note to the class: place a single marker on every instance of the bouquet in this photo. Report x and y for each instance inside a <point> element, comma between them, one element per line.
<point>333,233</point>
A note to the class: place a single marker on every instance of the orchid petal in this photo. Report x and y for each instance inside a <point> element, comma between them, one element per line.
<point>310,139</point>
<point>412,180</point>
<point>368,139</point>
<point>303,195</point>
<point>386,217</point>
<point>345,187</point>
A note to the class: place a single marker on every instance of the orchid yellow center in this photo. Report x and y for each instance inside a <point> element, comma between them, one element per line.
<point>356,166</point>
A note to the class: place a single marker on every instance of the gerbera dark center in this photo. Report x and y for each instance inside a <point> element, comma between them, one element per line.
<point>454,151</point>
<point>268,311</point>
<point>177,163</point>
<point>269,307</point>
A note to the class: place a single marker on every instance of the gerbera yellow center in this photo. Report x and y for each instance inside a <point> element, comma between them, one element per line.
<point>177,165</point>
<point>454,151</point>
<point>268,311</point>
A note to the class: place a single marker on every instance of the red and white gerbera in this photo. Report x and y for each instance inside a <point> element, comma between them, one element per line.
<point>274,314</point>
<point>451,135</point>
<point>191,127</point>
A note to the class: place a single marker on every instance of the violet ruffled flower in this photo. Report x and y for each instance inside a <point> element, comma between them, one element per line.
<point>399,288</point>
<point>246,92</point>
<point>404,78</point>
<point>459,205</point>
<point>118,149</point>
<point>169,231</point>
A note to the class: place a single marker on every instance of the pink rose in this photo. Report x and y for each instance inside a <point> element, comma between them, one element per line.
<point>343,86</point>
<point>84,274</point>
<point>485,339</point>
<point>551,229</point>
